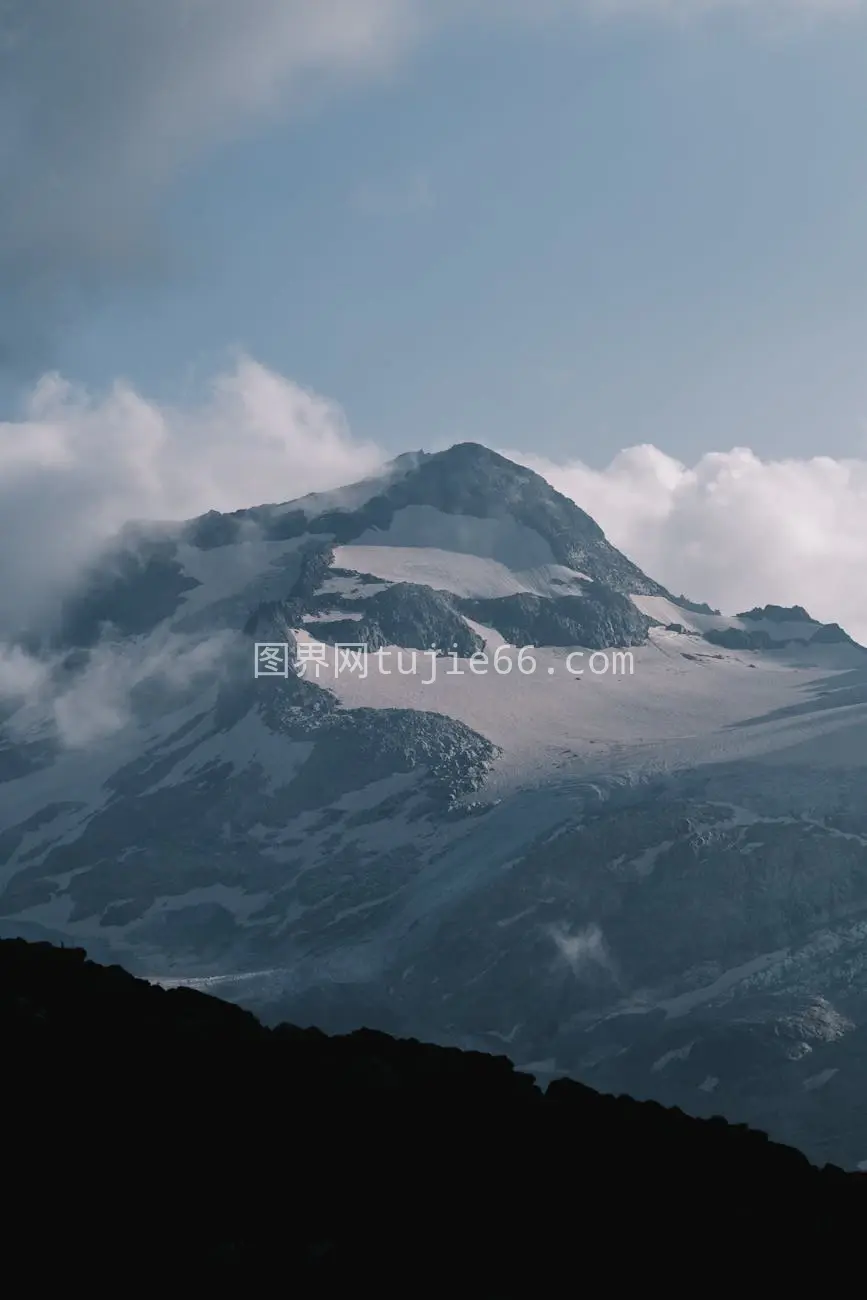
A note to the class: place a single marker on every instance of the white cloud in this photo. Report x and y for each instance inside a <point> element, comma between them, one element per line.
<point>22,677</point>
<point>585,950</point>
<point>732,529</point>
<point>78,467</point>
<point>96,701</point>
<point>101,104</point>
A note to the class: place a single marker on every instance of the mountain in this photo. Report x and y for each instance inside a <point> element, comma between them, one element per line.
<point>553,808</point>
<point>167,1133</point>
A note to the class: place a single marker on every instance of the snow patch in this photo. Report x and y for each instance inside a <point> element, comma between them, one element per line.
<point>676,1054</point>
<point>468,575</point>
<point>349,587</point>
<point>512,544</point>
<point>819,1080</point>
<point>333,615</point>
<point>645,862</point>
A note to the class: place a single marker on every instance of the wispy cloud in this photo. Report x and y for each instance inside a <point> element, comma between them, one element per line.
<point>584,952</point>
<point>78,466</point>
<point>102,103</point>
<point>87,705</point>
<point>733,529</point>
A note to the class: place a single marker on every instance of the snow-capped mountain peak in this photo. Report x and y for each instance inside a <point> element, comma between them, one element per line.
<point>541,796</point>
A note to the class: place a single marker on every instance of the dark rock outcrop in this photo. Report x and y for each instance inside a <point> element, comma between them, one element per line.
<point>167,1134</point>
<point>739,638</point>
<point>736,638</point>
<point>779,614</point>
<point>598,619</point>
<point>405,614</point>
<point>695,606</point>
<point>831,634</point>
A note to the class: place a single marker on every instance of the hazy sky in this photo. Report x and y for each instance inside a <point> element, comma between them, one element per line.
<point>563,227</point>
<point>579,234</point>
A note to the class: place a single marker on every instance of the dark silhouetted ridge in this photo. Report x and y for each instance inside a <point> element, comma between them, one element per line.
<point>164,1133</point>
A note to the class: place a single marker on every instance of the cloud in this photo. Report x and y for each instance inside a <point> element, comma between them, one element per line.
<point>585,951</point>
<point>96,700</point>
<point>733,529</point>
<point>102,104</point>
<point>78,467</point>
<point>22,677</point>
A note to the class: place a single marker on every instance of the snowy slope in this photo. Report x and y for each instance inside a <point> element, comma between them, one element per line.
<point>662,709</point>
<point>461,572</point>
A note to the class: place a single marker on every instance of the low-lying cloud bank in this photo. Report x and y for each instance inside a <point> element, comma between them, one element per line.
<point>78,467</point>
<point>90,704</point>
<point>731,529</point>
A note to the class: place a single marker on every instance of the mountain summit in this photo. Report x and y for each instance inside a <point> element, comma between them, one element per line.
<point>469,479</point>
<point>420,489</point>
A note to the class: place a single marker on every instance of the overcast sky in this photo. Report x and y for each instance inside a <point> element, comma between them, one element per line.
<point>267,243</point>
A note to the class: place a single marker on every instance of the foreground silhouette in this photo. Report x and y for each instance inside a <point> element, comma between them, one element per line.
<point>169,1133</point>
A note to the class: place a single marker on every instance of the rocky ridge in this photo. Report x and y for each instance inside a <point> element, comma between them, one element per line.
<point>202,1144</point>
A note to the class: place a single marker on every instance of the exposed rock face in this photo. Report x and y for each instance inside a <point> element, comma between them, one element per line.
<point>695,606</point>
<point>407,615</point>
<point>779,614</point>
<point>736,638</point>
<point>831,634</point>
<point>599,619</point>
<point>397,1156</point>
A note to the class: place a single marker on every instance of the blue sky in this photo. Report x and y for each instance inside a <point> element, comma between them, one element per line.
<point>576,237</point>
<point>269,243</point>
